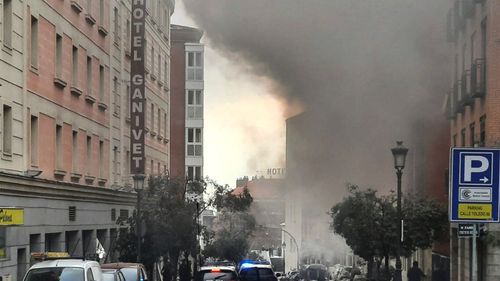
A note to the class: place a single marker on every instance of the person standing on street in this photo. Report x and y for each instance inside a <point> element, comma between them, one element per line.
<point>415,273</point>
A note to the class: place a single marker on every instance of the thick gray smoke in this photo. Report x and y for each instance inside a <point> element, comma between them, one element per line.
<point>363,70</point>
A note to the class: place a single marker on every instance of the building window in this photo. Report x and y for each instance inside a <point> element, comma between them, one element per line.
<point>152,59</point>
<point>59,49</point>
<point>165,124</point>
<point>59,147</point>
<point>127,162</point>
<point>482,130</point>
<point>89,75</point>
<point>472,136</point>
<point>165,73</point>
<point>116,17</point>
<point>194,173</point>
<point>34,140</point>
<point>158,169</point>
<point>159,121</point>
<point>101,159</point>
<point>74,151</point>
<point>115,164</point>
<point>89,155</point>
<point>194,66</point>
<point>74,58</point>
<point>195,104</point>
<point>116,95</point>
<point>127,104</point>
<point>152,117</point>
<point>194,142</point>
<point>127,35</point>
<point>152,167</point>
<point>462,137</point>
<point>101,12</point>
<point>483,39</point>
<point>34,42</point>
<point>7,130</point>
<point>472,47</point>
<point>101,82</point>
<point>7,23</point>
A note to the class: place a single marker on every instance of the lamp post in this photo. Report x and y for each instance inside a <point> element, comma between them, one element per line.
<point>283,247</point>
<point>138,186</point>
<point>399,152</point>
<point>294,241</point>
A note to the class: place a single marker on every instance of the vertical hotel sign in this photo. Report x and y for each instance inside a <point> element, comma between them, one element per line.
<point>138,96</point>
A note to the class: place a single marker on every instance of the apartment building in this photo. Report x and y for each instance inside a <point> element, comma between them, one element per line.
<point>64,76</point>
<point>187,104</point>
<point>472,109</point>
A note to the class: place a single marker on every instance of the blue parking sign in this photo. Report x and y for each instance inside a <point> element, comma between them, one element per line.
<point>476,168</point>
<point>474,185</point>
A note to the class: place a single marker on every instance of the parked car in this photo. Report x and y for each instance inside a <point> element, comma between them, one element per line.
<point>66,269</point>
<point>257,272</point>
<point>131,271</point>
<point>112,275</point>
<point>212,273</point>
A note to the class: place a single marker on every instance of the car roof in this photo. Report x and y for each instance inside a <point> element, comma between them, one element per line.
<point>119,265</point>
<point>65,263</point>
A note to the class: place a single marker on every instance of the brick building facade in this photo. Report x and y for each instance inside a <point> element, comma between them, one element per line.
<point>187,103</point>
<point>64,158</point>
<point>472,109</point>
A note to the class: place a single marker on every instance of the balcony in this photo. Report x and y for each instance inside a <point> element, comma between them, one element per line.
<point>478,78</point>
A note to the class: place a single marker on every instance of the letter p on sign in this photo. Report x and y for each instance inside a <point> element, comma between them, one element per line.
<point>476,169</point>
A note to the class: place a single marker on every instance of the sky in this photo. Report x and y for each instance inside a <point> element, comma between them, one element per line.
<point>244,125</point>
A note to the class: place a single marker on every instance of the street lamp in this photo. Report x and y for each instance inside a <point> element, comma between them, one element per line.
<point>138,186</point>
<point>294,241</point>
<point>283,247</point>
<point>399,152</point>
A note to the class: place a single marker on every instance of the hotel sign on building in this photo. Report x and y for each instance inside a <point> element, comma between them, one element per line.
<point>138,96</point>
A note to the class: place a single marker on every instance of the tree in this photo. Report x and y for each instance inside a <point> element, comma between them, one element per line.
<point>233,226</point>
<point>369,223</point>
<point>171,208</point>
<point>170,225</point>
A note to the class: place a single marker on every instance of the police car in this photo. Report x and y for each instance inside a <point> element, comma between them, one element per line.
<point>256,271</point>
<point>60,267</point>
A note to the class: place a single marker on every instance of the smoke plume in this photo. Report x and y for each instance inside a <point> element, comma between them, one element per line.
<point>363,71</point>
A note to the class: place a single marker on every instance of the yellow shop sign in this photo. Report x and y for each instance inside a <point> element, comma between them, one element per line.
<point>11,216</point>
<point>475,211</point>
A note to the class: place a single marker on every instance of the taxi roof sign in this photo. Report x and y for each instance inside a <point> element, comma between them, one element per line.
<point>40,256</point>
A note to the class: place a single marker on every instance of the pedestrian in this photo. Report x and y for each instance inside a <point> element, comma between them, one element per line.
<point>415,273</point>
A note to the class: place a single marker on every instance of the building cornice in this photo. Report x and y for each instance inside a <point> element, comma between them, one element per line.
<point>16,185</point>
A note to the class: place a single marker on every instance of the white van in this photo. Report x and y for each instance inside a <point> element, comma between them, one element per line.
<point>64,270</point>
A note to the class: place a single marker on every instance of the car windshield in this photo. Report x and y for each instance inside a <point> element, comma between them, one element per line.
<point>130,273</point>
<point>108,275</point>
<point>56,274</point>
